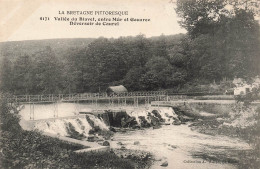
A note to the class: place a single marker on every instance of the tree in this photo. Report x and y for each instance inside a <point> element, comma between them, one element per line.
<point>47,72</point>
<point>23,76</point>
<point>75,70</point>
<point>223,43</point>
<point>6,75</point>
<point>139,51</point>
<point>132,80</point>
<point>199,16</point>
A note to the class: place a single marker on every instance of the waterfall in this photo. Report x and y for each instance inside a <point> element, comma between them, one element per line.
<point>80,126</point>
<point>65,126</point>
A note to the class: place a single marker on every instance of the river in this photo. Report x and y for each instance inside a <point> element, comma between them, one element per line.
<point>176,144</point>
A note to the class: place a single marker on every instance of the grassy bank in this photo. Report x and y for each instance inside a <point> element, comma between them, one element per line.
<point>30,149</point>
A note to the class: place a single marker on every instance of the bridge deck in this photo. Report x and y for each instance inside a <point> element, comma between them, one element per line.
<point>83,97</point>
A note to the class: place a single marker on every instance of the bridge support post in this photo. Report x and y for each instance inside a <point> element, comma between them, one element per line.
<point>31,111</point>
<point>96,103</point>
<point>55,104</point>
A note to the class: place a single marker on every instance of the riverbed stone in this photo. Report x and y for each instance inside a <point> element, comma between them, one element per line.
<point>120,143</point>
<point>177,122</point>
<point>156,127</point>
<point>173,146</point>
<point>123,148</point>
<point>164,164</point>
<point>136,143</point>
<point>106,143</point>
<point>112,129</point>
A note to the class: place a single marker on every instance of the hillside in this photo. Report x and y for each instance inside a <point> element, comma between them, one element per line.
<point>60,47</point>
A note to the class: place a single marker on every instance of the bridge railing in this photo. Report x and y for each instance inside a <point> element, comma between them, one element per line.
<point>81,96</point>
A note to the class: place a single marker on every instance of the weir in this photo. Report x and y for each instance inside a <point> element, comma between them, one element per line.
<point>92,129</point>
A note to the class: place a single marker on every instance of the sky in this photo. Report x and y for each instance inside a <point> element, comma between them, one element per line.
<point>21,19</point>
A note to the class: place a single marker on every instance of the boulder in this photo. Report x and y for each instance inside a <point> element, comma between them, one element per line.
<point>120,143</point>
<point>123,148</point>
<point>156,114</point>
<point>91,138</point>
<point>164,164</point>
<point>106,143</point>
<point>177,122</point>
<point>154,121</point>
<point>123,122</point>
<point>112,129</point>
<point>173,146</point>
<point>136,143</point>
<point>187,118</point>
<point>156,127</point>
<point>144,122</point>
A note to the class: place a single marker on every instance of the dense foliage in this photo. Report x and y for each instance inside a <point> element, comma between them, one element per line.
<point>220,44</point>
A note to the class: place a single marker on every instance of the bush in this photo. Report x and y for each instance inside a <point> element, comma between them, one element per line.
<point>9,116</point>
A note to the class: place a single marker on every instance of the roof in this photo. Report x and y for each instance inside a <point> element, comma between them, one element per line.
<point>117,89</point>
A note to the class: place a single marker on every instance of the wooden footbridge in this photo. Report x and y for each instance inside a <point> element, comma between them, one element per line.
<point>118,100</point>
<point>94,97</point>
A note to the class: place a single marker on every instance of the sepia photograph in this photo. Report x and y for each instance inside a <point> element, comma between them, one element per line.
<point>130,84</point>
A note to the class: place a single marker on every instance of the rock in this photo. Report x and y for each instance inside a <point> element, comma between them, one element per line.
<point>136,127</point>
<point>156,127</point>
<point>164,123</point>
<point>154,120</point>
<point>157,114</point>
<point>164,164</point>
<point>180,117</point>
<point>172,146</point>
<point>91,138</point>
<point>123,148</point>
<point>136,143</point>
<point>106,143</point>
<point>177,122</point>
<point>186,118</point>
<point>91,131</point>
<point>120,143</point>
<point>100,139</point>
<point>144,122</point>
<point>112,129</point>
<point>130,119</point>
<point>123,123</point>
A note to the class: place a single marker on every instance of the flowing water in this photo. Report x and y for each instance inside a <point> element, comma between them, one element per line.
<point>171,143</point>
<point>176,144</point>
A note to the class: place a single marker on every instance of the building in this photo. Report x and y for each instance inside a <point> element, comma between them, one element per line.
<point>115,90</point>
<point>243,88</point>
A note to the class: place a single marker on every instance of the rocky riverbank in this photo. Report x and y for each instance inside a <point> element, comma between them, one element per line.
<point>242,123</point>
